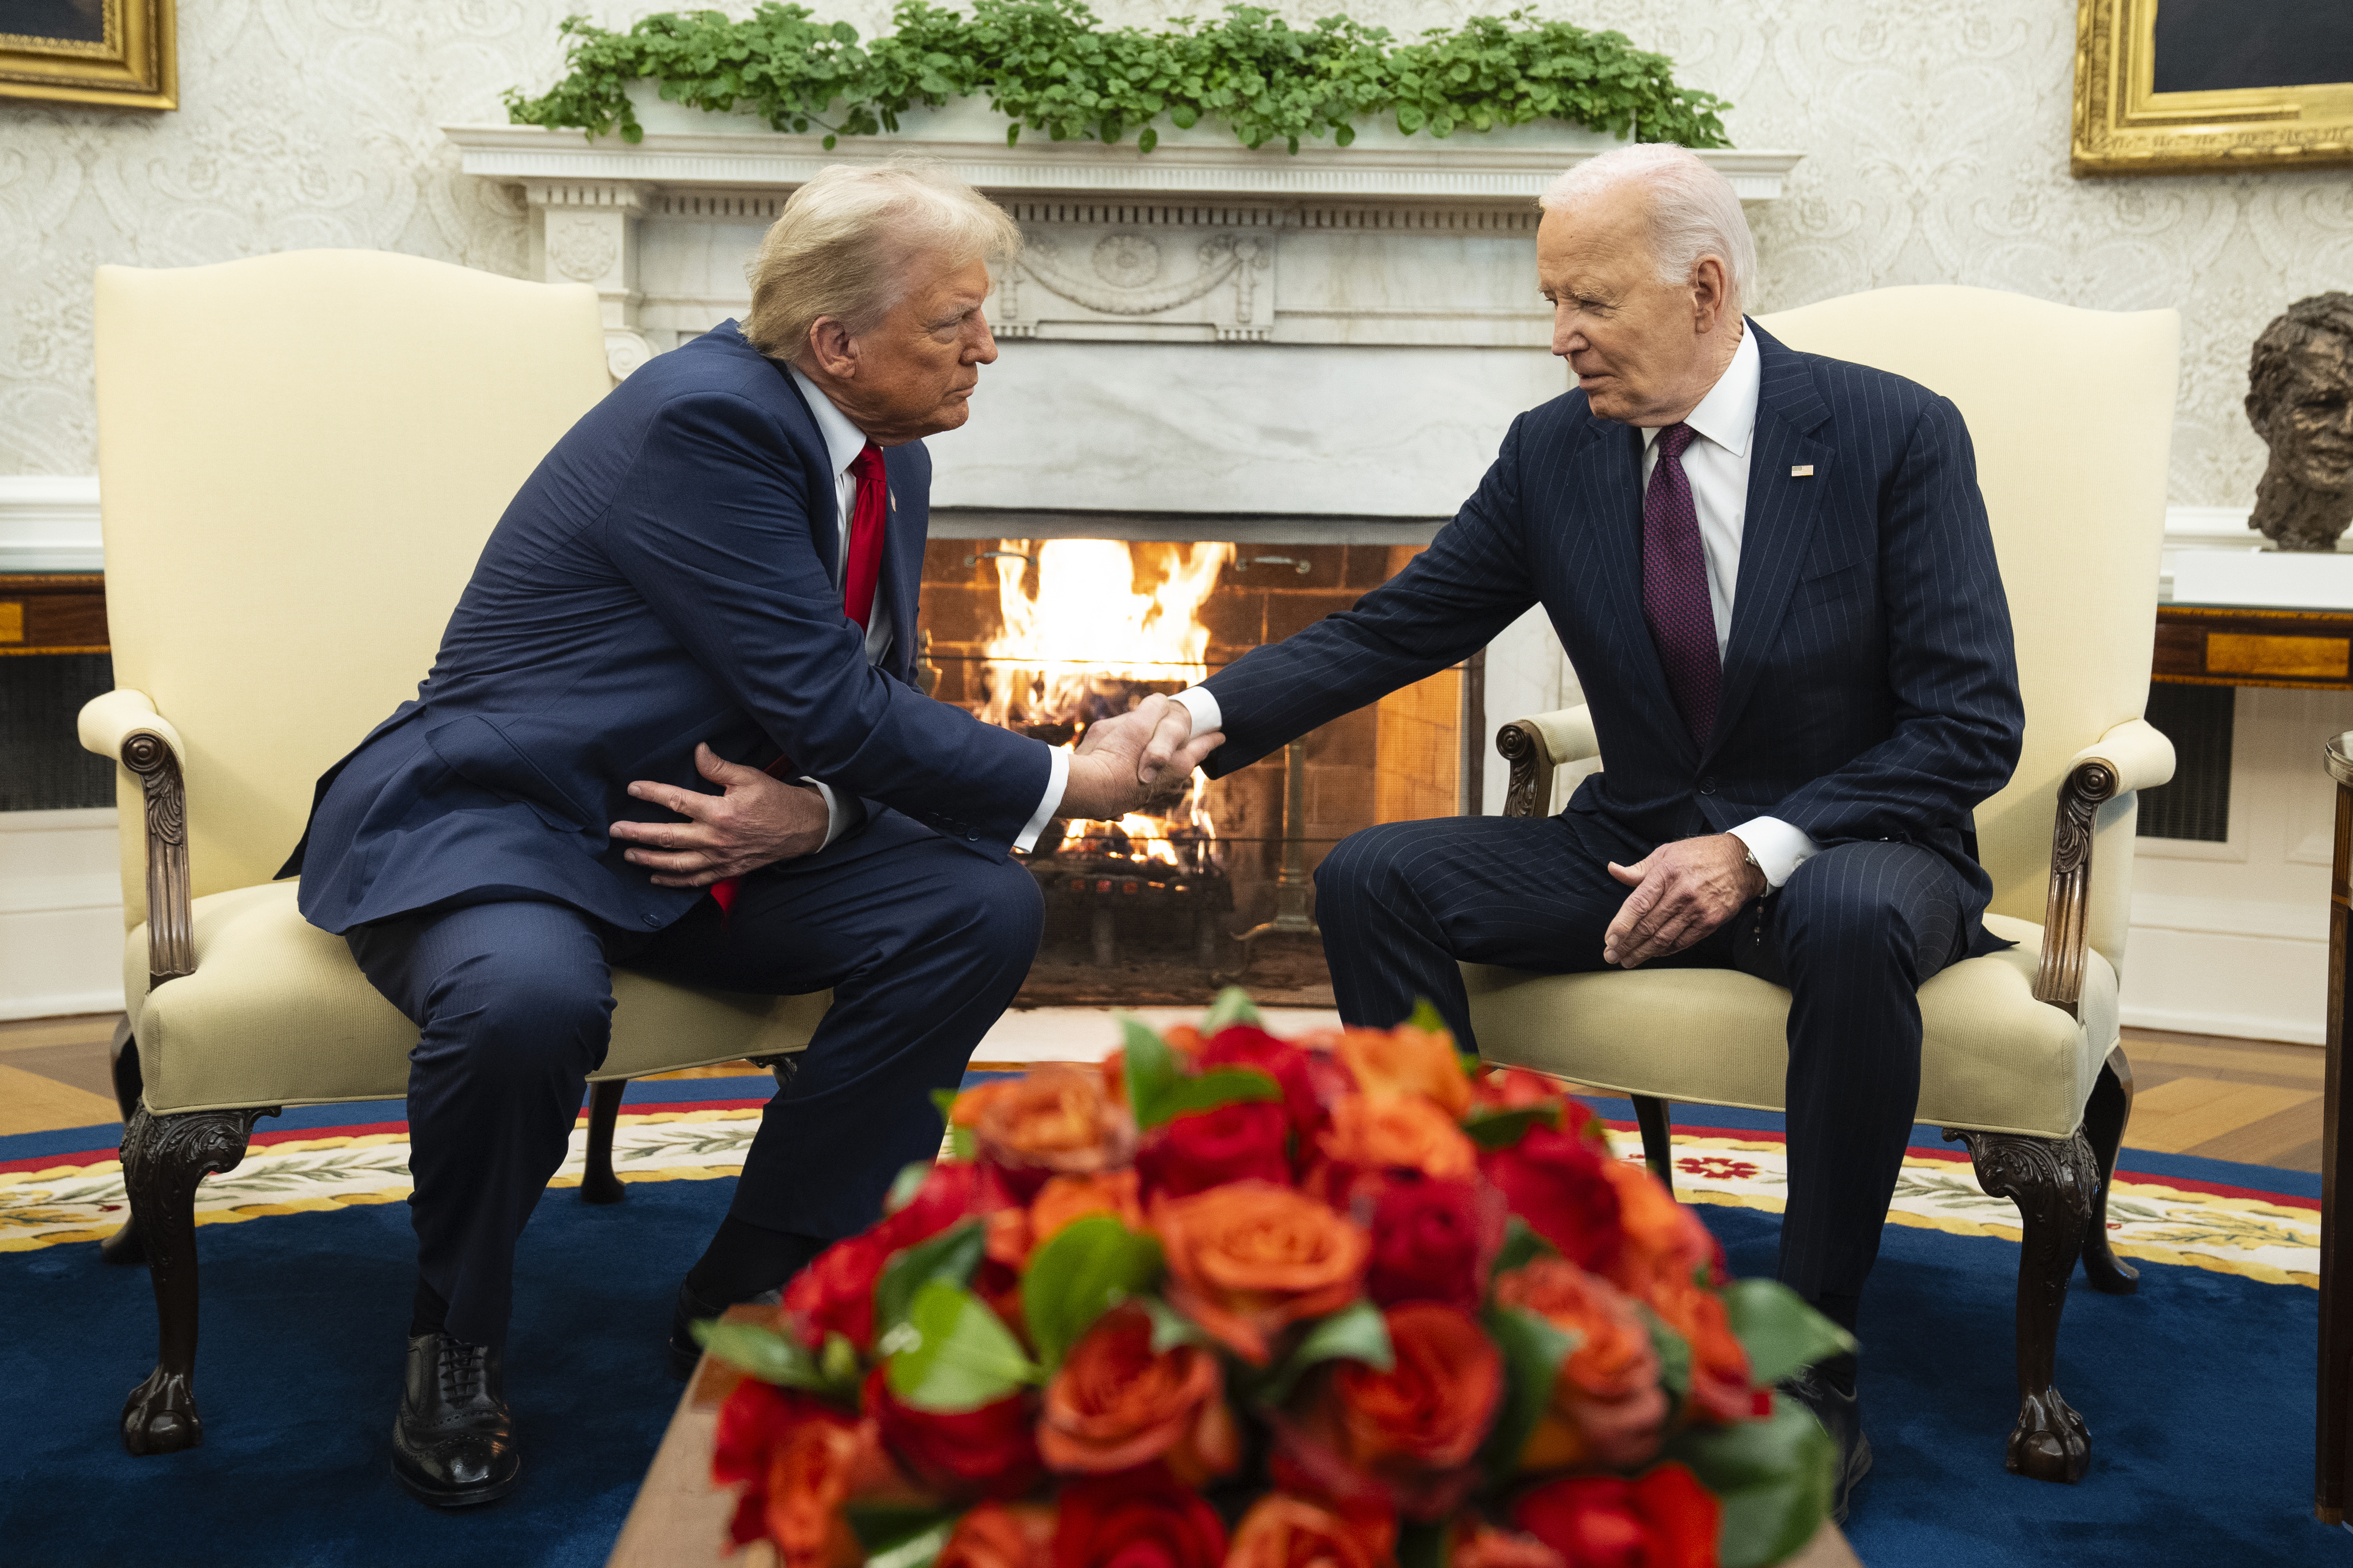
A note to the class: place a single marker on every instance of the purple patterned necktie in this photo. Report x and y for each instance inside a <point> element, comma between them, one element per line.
<point>1674,587</point>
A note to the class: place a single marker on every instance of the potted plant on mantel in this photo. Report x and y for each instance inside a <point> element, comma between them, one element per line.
<point>1049,68</point>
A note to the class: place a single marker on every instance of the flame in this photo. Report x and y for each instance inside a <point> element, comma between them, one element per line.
<point>1084,626</point>
<point>1078,643</point>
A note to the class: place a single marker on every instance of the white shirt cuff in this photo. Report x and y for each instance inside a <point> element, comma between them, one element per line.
<point>1200,702</point>
<point>833,810</point>
<point>1779,847</point>
<point>1057,779</point>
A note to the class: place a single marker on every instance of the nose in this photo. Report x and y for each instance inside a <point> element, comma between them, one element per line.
<point>982,348</point>
<point>1567,335</point>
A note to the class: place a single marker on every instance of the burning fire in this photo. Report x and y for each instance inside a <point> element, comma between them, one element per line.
<point>1080,643</point>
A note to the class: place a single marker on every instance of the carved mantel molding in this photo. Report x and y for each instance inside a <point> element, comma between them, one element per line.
<point>1395,240</point>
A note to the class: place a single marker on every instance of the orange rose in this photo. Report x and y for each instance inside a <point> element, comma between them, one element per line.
<point>1410,1432</point>
<point>795,1459</point>
<point>1050,1122</point>
<point>1284,1531</point>
<point>1014,1234</point>
<point>1664,1241</point>
<point>1397,1130</point>
<point>1001,1535</point>
<point>1484,1546</point>
<point>1719,1379</point>
<point>1407,1060</point>
<point>1247,1260</point>
<point>1116,1405</point>
<point>1607,1407</point>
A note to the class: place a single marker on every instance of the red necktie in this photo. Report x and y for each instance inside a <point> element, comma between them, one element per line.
<point>861,570</point>
<point>1674,587</point>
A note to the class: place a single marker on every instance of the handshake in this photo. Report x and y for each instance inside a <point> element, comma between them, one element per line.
<point>1123,761</point>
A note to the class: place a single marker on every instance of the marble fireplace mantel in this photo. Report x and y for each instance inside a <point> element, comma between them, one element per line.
<point>1200,329</point>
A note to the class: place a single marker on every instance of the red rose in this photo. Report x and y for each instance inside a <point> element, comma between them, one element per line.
<point>835,1294</point>
<point>1434,1241</point>
<point>1664,1519</point>
<point>1402,1439</point>
<point>1242,1045</point>
<point>1242,1142</point>
<point>1022,1536</point>
<point>795,1459</point>
<point>1560,1186</point>
<point>989,1452</point>
<point>1140,1519</point>
<point>1512,1088</point>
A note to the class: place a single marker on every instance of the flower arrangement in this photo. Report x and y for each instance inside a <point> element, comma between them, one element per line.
<point>1235,1301</point>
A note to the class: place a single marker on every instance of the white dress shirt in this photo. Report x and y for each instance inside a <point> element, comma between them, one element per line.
<point>1716,464</point>
<point>843,442</point>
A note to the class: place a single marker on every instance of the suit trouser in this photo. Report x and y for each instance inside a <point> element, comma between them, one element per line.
<point>921,942</point>
<point>1853,933</point>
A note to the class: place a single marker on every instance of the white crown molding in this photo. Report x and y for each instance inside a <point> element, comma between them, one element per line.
<point>49,524</point>
<point>1500,166</point>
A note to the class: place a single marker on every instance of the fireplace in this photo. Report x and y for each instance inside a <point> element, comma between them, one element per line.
<point>1044,634</point>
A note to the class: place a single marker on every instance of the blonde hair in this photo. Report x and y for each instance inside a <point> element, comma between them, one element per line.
<point>1694,211</point>
<point>843,244</point>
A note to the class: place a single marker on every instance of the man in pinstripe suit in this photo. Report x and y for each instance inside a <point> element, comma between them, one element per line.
<point>1774,575</point>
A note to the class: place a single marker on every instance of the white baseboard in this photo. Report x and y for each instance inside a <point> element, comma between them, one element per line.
<point>60,1004</point>
<point>60,913</point>
<point>2238,1025</point>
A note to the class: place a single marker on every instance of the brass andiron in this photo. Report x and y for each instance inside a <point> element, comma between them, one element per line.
<point>1290,884</point>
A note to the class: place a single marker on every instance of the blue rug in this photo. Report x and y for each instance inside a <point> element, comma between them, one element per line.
<point>2198,1390</point>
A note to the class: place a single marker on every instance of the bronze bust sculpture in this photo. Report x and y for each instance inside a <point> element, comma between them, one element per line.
<point>2300,401</point>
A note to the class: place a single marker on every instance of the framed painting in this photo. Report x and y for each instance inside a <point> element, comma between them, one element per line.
<point>90,51</point>
<point>2187,87</point>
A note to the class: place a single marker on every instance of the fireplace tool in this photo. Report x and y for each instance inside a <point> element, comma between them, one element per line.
<point>1290,884</point>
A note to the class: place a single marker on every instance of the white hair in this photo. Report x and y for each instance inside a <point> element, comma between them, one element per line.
<point>1694,211</point>
<point>843,245</point>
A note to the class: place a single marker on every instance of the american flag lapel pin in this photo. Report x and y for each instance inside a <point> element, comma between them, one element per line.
<point>1801,470</point>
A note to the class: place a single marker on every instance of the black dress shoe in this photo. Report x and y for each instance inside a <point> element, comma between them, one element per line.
<point>453,1442</point>
<point>1842,1417</point>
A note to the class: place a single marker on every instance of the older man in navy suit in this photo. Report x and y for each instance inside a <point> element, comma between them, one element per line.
<point>671,727</point>
<point>1774,576</point>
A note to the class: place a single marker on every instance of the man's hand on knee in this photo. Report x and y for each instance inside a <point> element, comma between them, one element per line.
<point>1682,892</point>
<point>757,822</point>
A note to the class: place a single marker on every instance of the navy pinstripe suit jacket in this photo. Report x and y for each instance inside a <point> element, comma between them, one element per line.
<point>1870,688</point>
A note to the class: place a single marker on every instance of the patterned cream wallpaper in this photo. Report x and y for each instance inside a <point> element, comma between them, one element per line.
<point>1936,137</point>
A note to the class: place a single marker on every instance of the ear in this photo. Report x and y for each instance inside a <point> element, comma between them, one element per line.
<point>1711,294</point>
<point>832,348</point>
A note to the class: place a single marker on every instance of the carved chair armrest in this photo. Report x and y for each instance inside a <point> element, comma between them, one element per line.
<point>2134,755</point>
<point>1536,746</point>
<point>123,724</point>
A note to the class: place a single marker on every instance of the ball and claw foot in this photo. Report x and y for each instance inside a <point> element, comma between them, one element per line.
<point>2050,1442</point>
<point>160,1417</point>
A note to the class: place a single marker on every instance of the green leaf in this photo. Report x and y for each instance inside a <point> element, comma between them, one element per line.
<point>957,1355</point>
<point>1232,1006</point>
<point>1504,1129</point>
<point>1427,1017</point>
<point>1170,1328</point>
<point>1224,1086</point>
<point>1089,1267</point>
<point>962,1144</point>
<point>773,1357</point>
<point>1148,1066</point>
<point>1146,140</point>
<point>1774,1478</point>
<point>907,1183</point>
<point>1423,1546</point>
<point>944,1102</point>
<point>1522,1246</point>
<point>1355,1332</point>
<point>1674,1354</point>
<point>881,1526</point>
<point>918,1550</point>
<point>950,1256</point>
<point>1533,1350</point>
<point>1778,1331</point>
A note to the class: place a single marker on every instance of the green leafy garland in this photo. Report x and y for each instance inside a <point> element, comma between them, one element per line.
<point>1051,66</point>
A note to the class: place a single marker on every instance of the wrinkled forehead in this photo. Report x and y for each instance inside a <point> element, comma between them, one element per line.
<point>1609,228</point>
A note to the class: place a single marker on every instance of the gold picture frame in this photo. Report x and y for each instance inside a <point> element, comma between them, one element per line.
<point>119,52</point>
<point>2124,125</point>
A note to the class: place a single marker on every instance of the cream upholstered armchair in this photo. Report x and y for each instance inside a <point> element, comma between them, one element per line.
<point>2071,411</point>
<point>300,457</point>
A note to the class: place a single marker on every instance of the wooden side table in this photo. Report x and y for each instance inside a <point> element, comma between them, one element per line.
<point>52,612</point>
<point>2336,1291</point>
<point>679,1520</point>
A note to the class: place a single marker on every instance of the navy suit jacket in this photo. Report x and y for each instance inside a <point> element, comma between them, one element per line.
<point>665,576</point>
<point>1870,688</point>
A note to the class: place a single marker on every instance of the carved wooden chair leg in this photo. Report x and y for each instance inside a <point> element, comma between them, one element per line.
<point>124,1246</point>
<point>598,1183</point>
<point>2106,1117</point>
<point>164,1158</point>
<point>1658,1138</point>
<point>2051,1180</point>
